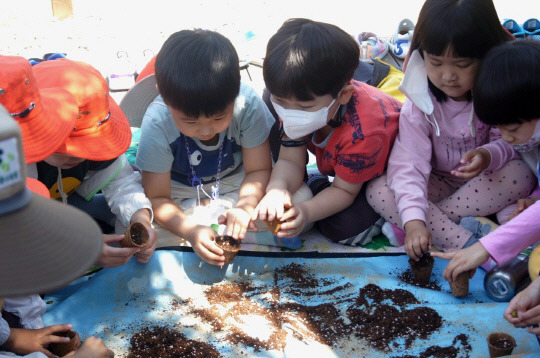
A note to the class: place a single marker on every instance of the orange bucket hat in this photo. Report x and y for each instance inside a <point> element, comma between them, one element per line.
<point>102,131</point>
<point>46,116</point>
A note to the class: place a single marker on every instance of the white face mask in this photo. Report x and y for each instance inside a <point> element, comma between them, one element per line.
<point>297,123</point>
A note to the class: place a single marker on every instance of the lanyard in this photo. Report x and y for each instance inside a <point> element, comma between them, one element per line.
<point>196,182</point>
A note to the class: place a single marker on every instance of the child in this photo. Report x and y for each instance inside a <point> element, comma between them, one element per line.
<point>507,95</point>
<point>34,255</point>
<point>348,125</point>
<point>92,159</point>
<point>205,135</point>
<point>34,110</point>
<point>445,163</point>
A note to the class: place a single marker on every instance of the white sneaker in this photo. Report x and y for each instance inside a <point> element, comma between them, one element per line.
<point>400,42</point>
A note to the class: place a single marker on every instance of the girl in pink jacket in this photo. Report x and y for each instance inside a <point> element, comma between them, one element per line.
<point>507,95</point>
<point>445,163</point>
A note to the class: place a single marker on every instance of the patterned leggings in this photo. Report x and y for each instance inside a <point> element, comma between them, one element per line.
<point>451,198</point>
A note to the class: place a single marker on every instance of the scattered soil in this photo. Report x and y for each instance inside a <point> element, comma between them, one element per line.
<point>460,346</point>
<point>385,319</point>
<point>162,342</point>
<point>380,323</point>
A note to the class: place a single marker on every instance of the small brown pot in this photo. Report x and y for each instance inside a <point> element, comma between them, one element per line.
<point>422,268</point>
<point>460,286</point>
<point>500,344</point>
<point>274,226</point>
<point>61,349</point>
<point>135,236</point>
<point>229,245</point>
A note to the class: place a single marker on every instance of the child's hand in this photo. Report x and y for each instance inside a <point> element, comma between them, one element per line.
<point>25,341</point>
<point>202,240</point>
<point>273,205</point>
<point>237,221</point>
<point>115,256</point>
<point>463,260</point>
<point>146,252</point>
<point>92,348</point>
<point>524,309</point>
<point>476,161</point>
<point>417,239</point>
<point>144,217</point>
<point>523,204</point>
<point>294,221</point>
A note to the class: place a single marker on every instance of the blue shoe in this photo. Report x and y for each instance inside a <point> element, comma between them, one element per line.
<point>531,28</point>
<point>513,27</point>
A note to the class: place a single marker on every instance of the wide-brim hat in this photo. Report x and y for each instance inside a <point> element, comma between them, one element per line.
<point>46,116</point>
<point>138,98</point>
<point>44,244</point>
<point>101,131</point>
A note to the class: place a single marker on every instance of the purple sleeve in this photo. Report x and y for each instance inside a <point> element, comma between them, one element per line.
<point>501,152</point>
<point>510,239</point>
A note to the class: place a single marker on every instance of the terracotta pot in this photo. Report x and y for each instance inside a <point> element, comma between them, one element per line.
<point>460,286</point>
<point>61,349</point>
<point>229,246</point>
<point>422,269</point>
<point>135,236</point>
<point>274,226</point>
<point>500,344</point>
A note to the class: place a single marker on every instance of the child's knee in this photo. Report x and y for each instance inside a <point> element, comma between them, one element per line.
<point>376,192</point>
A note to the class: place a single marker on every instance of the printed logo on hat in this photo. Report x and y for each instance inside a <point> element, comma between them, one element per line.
<point>10,170</point>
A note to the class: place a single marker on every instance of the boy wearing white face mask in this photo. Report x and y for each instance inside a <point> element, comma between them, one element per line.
<point>348,125</point>
<point>507,96</point>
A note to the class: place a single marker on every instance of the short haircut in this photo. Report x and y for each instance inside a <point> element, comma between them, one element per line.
<point>507,90</point>
<point>197,72</point>
<point>305,58</point>
<point>469,28</point>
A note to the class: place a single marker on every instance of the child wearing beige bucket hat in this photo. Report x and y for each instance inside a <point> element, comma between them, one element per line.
<point>35,256</point>
<point>45,117</point>
<point>89,169</point>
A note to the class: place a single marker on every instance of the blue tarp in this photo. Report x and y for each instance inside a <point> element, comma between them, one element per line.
<point>115,303</point>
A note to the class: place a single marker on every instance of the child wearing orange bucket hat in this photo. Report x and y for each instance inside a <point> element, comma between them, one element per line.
<point>89,169</point>
<point>34,255</point>
<point>46,115</point>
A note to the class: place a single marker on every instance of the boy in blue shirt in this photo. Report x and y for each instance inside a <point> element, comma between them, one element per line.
<point>205,135</point>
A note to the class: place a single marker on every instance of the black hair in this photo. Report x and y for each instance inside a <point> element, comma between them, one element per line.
<point>507,89</point>
<point>197,72</point>
<point>305,58</point>
<point>467,28</point>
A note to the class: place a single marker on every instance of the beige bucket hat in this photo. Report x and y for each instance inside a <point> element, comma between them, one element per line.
<point>44,244</point>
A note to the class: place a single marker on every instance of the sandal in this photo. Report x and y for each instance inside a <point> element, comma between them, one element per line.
<point>371,47</point>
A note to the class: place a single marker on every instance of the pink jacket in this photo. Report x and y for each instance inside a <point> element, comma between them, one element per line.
<point>510,239</point>
<point>434,138</point>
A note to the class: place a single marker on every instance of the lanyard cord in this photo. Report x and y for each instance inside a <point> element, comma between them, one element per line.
<point>196,182</point>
